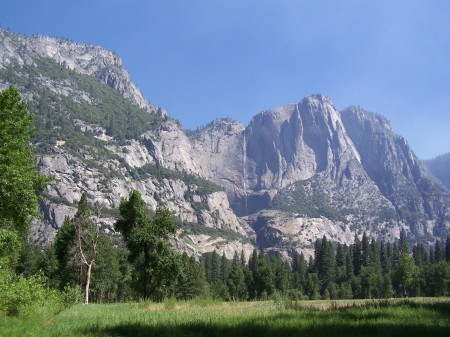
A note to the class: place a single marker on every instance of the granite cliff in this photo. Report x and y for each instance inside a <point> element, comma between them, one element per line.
<point>294,174</point>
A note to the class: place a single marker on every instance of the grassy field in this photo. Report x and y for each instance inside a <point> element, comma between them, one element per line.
<point>418,317</point>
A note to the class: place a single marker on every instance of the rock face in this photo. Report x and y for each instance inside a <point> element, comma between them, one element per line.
<point>439,167</point>
<point>294,174</point>
<point>84,59</point>
<point>87,153</point>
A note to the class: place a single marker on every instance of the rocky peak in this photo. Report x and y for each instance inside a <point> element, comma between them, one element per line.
<point>398,173</point>
<point>296,141</point>
<point>81,58</point>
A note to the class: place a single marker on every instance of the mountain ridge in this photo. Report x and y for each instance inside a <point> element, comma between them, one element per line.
<point>294,173</point>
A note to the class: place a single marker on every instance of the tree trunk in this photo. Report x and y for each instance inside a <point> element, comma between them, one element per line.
<point>88,280</point>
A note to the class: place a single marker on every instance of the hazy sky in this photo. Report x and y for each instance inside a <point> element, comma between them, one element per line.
<point>205,59</point>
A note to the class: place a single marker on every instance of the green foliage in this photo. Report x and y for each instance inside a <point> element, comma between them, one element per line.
<point>9,249</point>
<point>191,281</point>
<point>147,238</point>
<point>120,117</point>
<point>302,199</point>
<point>20,296</point>
<point>199,228</point>
<point>19,178</point>
<point>405,272</point>
<point>67,270</point>
<point>196,185</point>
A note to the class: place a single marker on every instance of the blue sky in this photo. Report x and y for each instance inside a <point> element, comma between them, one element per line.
<point>206,59</point>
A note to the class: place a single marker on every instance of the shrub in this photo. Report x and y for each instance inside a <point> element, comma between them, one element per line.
<point>21,296</point>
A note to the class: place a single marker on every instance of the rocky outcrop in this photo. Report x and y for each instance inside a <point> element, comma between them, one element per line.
<point>82,58</point>
<point>398,173</point>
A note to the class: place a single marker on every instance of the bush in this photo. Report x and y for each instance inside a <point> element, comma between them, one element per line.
<point>21,296</point>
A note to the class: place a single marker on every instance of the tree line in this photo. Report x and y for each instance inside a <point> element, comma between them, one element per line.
<point>365,269</point>
<point>144,266</point>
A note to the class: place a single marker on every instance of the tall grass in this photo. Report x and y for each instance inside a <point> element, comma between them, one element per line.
<point>209,318</point>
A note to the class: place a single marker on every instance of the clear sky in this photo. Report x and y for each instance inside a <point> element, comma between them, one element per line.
<point>206,59</point>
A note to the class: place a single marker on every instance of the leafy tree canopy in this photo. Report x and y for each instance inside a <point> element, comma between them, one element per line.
<point>19,179</point>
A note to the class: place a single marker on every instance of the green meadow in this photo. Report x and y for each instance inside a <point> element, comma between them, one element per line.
<point>414,317</point>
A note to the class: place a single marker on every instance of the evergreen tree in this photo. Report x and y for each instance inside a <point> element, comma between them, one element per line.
<point>264,276</point>
<point>349,265</point>
<point>215,267</point>
<point>439,252</point>
<point>225,267</point>
<point>312,286</point>
<point>236,280</point>
<point>281,273</point>
<point>447,248</point>
<point>253,259</point>
<point>420,255</point>
<point>326,263</point>
<point>365,256</point>
<point>357,255</point>
<point>147,238</point>
<point>191,280</point>
<point>68,270</point>
<point>207,258</point>
<point>403,243</point>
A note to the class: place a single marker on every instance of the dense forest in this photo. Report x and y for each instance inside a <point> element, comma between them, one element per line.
<point>365,269</point>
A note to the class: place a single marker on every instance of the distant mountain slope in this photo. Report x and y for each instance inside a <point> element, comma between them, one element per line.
<point>303,170</point>
<point>95,133</point>
<point>439,167</point>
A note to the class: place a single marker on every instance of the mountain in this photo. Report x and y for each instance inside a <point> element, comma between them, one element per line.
<point>294,174</point>
<point>303,170</point>
<point>439,167</point>
<point>96,134</point>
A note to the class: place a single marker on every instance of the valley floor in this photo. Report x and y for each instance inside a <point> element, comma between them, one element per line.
<point>414,317</point>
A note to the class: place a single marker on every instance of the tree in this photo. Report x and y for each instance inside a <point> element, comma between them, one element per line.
<point>147,239</point>
<point>107,277</point>
<point>236,281</point>
<point>405,272</point>
<point>19,179</point>
<point>215,266</point>
<point>87,234</point>
<point>447,248</point>
<point>67,271</point>
<point>357,255</point>
<point>224,267</point>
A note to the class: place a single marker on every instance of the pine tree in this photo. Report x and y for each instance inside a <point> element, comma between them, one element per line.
<point>365,245</point>
<point>68,270</point>
<point>236,280</point>
<point>439,253</point>
<point>147,238</point>
<point>447,248</point>
<point>357,255</point>
<point>403,243</point>
<point>225,267</point>
<point>253,259</point>
<point>215,267</point>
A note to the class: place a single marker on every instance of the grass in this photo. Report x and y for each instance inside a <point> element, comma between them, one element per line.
<point>418,317</point>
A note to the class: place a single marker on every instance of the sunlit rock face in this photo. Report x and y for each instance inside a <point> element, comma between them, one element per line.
<point>292,175</point>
